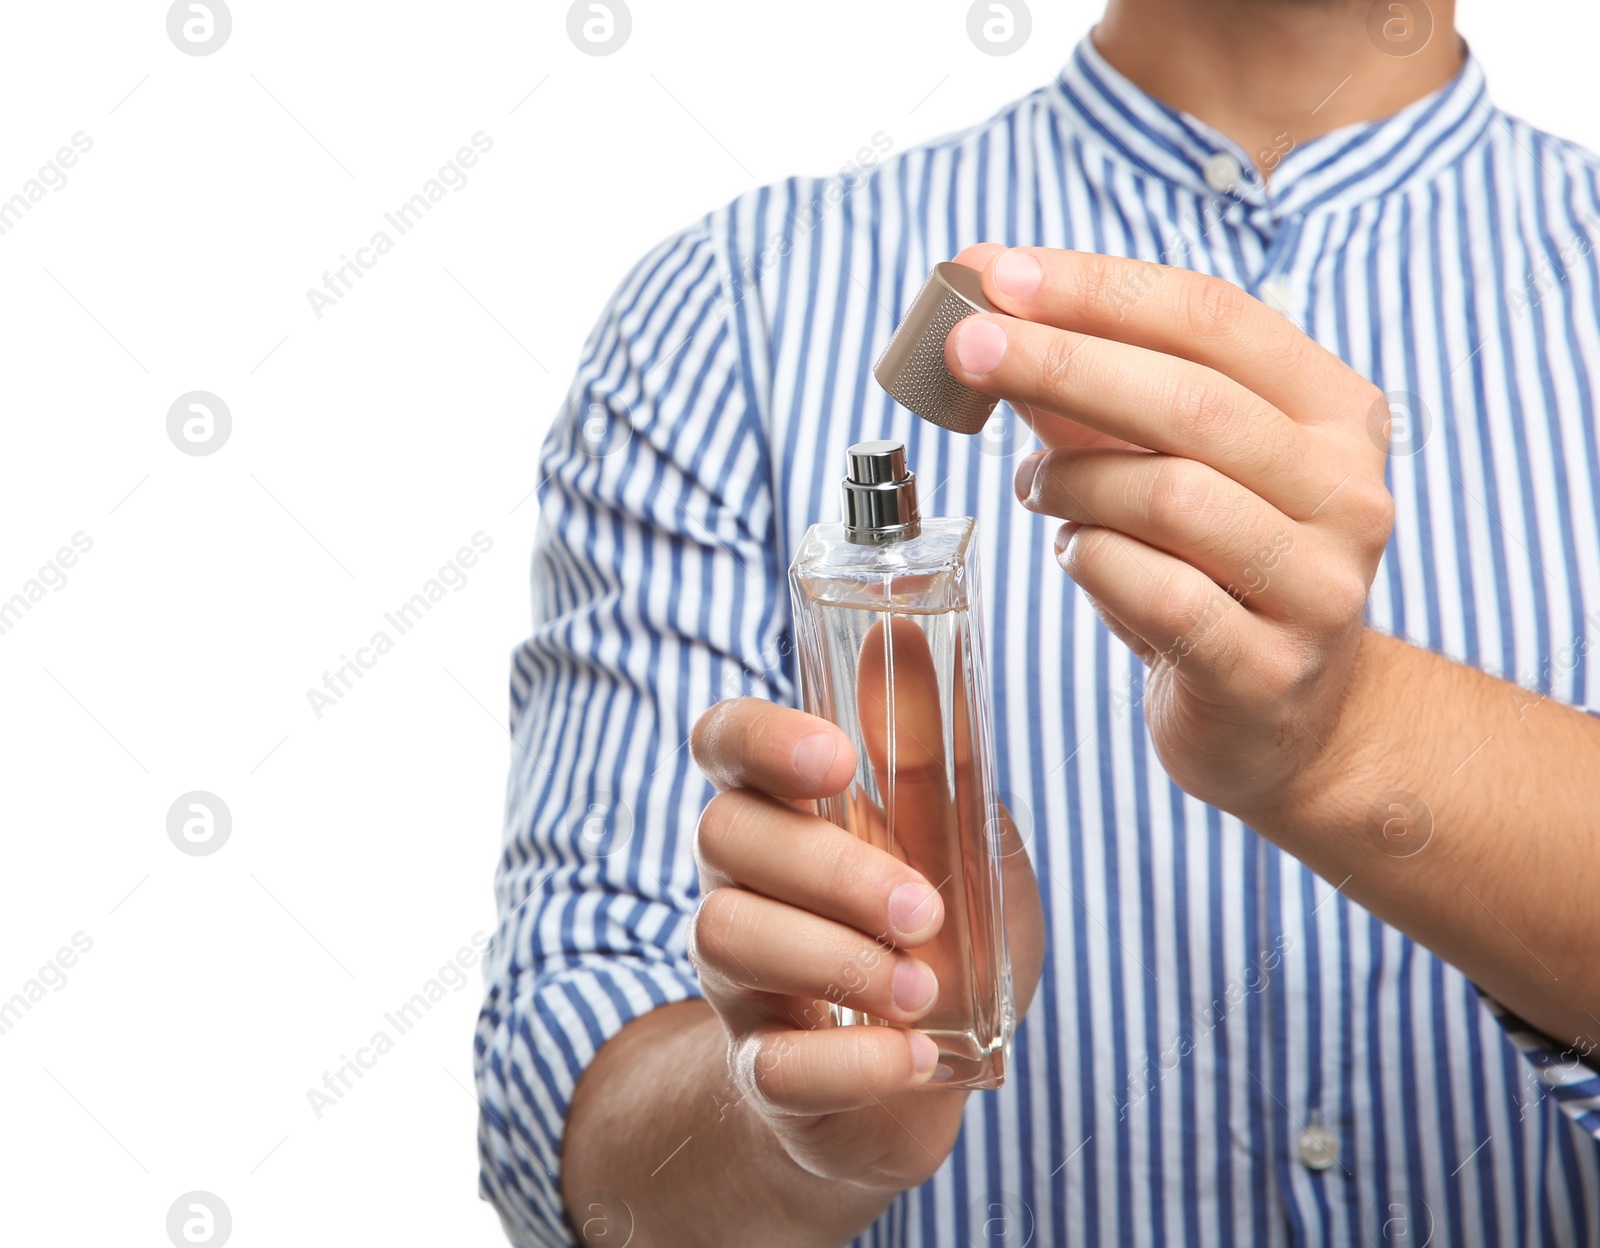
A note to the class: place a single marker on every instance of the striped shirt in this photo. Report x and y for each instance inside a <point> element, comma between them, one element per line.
<point>1223,1050</point>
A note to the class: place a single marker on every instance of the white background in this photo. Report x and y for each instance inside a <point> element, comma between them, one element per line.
<point>367,446</point>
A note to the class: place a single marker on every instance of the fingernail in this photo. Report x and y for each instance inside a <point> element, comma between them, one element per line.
<point>924,1053</point>
<point>1064,536</point>
<point>980,345</point>
<point>813,757</point>
<point>1027,470</point>
<point>911,908</point>
<point>914,986</point>
<point>1017,274</point>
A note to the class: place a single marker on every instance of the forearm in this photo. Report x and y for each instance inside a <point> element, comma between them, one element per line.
<point>656,1120</point>
<point>1505,884</point>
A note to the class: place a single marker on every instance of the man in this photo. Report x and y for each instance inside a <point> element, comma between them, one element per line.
<point>1308,942</point>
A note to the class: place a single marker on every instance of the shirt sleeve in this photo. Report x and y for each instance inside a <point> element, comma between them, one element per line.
<point>656,592</point>
<point>1571,1076</point>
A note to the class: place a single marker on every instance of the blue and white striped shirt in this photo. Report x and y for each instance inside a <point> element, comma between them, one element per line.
<point>1207,1001</point>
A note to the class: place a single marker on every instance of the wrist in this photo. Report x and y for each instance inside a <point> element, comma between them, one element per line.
<point>1325,794</point>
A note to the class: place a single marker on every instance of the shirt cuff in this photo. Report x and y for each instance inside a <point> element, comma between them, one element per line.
<point>534,1041</point>
<point>1571,1077</point>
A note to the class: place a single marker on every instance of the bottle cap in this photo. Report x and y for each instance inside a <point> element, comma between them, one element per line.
<point>880,494</point>
<point>912,367</point>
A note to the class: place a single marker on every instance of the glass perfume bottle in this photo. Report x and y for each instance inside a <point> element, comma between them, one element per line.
<point>889,644</point>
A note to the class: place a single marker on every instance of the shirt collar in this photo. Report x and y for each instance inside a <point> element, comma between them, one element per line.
<point>1341,168</point>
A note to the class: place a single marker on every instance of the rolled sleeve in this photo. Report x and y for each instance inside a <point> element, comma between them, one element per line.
<point>1569,1075</point>
<point>534,1042</point>
<point>656,592</point>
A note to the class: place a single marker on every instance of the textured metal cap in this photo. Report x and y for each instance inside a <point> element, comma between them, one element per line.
<point>912,367</point>
<point>880,495</point>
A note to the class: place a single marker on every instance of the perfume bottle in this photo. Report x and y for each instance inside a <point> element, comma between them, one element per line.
<point>889,644</point>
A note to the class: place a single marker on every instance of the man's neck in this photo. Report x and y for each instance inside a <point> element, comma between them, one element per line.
<point>1267,73</point>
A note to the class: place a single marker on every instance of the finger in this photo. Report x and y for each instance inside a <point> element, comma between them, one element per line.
<point>749,839</point>
<point>979,255</point>
<point>1140,647</point>
<point>932,792</point>
<point>1193,316</point>
<point>748,743</point>
<point>898,700</point>
<point>743,942</point>
<point>1024,912</point>
<point>1189,510</point>
<point>1148,399</point>
<point>1178,611</point>
<point>833,1069</point>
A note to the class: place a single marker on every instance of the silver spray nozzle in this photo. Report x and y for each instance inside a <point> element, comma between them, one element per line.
<point>880,494</point>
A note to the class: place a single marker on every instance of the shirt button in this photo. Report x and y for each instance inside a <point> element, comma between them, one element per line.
<point>1319,1148</point>
<point>1223,173</point>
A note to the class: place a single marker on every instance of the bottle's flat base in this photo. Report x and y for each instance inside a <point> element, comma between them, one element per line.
<point>980,1073</point>
<point>964,1062</point>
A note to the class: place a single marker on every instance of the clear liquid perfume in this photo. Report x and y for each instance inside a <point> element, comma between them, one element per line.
<point>890,649</point>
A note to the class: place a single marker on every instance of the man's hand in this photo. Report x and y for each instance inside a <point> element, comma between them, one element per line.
<point>798,912</point>
<point>1224,497</point>
<point>1222,479</point>
<point>800,1132</point>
